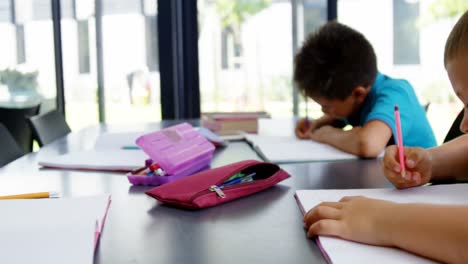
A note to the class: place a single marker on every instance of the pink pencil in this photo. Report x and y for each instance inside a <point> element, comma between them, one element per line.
<point>400,141</point>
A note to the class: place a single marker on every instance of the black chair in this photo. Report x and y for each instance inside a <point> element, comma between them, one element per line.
<point>15,120</point>
<point>10,150</point>
<point>48,127</point>
<point>454,130</point>
<point>426,107</point>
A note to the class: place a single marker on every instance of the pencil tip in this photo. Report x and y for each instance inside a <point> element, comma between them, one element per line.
<point>396,107</point>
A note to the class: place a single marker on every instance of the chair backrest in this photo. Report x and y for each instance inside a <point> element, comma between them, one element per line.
<point>454,130</point>
<point>48,127</point>
<point>15,120</point>
<point>10,150</point>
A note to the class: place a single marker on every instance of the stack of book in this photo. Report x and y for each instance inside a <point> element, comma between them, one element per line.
<point>233,121</point>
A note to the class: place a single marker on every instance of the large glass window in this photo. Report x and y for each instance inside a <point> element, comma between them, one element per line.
<point>405,32</point>
<point>131,85</point>
<point>79,62</point>
<point>27,73</point>
<point>409,43</point>
<point>311,14</point>
<point>246,53</point>
<point>245,56</point>
<point>130,62</point>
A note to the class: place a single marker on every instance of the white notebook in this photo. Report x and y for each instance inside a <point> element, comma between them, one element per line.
<point>337,250</point>
<point>51,231</point>
<point>96,160</point>
<point>289,149</point>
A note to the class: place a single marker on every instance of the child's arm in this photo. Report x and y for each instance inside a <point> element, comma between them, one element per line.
<point>303,129</point>
<point>367,141</point>
<point>438,232</point>
<point>448,161</point>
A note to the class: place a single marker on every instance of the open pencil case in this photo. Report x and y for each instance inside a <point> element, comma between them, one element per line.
<point>178,150</point>
<point>220,185</point>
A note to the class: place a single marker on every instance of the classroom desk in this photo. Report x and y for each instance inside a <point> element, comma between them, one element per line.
<point>263,228</point>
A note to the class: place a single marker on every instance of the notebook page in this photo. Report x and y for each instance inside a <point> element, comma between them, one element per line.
<point>286,149</point>
<point>50,230</point>
<point>341,251</point>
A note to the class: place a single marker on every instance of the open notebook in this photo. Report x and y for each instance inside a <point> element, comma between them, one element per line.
<point>289,149</point>
<point>50,231</point>
<point>337,250</point>
<point>96,160</point>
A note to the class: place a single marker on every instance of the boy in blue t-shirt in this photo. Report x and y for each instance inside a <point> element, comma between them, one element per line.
<point>337,68</point>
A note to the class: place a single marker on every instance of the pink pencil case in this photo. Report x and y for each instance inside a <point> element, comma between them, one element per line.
<point>217,186</point>
<point>179,150</point>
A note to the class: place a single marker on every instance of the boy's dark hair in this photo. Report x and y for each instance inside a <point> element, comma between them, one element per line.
<point>457,41</point>
<point>333,61</point>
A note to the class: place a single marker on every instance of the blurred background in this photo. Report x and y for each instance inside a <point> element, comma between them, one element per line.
<point>245,54</point>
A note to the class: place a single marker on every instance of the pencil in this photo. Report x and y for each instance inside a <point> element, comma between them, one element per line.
<point>399,136</point>
<point>307,122</point>
<point>31,195</point>
<point>130,147</point>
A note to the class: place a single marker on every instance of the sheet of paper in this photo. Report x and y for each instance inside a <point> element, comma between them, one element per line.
<point>284,149</point>
<point>341,251</point>
<point>108,141</point>
<point>106,160</point>
<point>50,230</point>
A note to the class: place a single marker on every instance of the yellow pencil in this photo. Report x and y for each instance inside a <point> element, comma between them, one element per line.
<point>31,195</point>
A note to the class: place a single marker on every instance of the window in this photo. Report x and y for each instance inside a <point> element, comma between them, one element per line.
<point>245,54</point>
<point>315,14</point>
<point>151,37</point>
<point>6,11</point>
<point>27,51</point>
<point>20,48</point>
<point>41,9</point>
<point>228,50</point>
<point>114,7</point>
<point>68,8</point>
<point>405,32</point>
<point>83,46</point>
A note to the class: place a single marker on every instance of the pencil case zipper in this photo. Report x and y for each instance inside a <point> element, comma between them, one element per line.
<point>215,188</point>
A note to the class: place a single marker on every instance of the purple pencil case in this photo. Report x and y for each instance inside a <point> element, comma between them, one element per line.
<point>179,150</point>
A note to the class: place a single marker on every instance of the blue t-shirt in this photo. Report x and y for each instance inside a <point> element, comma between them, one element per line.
<point>379,105</point>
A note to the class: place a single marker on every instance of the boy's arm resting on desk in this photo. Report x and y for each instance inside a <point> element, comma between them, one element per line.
<point>439,232</point>
<point>367,141</point>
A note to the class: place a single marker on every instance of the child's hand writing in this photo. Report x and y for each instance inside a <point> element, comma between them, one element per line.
<point>353,218</point>
<point>303,128</point>
<point>418,162</point>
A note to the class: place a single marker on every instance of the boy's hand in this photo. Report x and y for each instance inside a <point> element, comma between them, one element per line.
<point>353,218</point>
<point>418,165</point>
<point>304,127</point>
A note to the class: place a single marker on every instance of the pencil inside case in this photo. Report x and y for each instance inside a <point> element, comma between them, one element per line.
<point>140,177</point>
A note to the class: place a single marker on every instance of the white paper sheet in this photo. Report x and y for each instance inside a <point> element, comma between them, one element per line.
<point>50,230</point>
<point>284,149</point>
<point>342,251</point>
